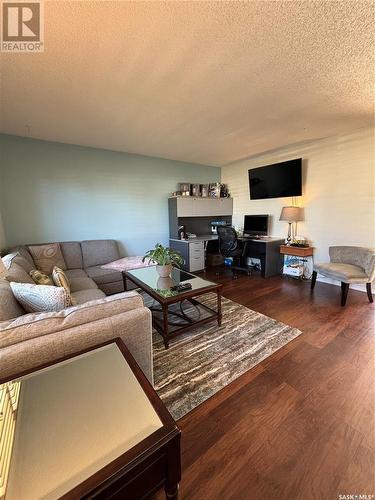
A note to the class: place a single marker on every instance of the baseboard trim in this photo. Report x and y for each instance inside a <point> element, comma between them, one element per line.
<point>360,288</point>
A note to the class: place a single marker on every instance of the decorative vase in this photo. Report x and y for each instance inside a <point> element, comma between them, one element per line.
<point>164,271</point>
<point>165,283</point>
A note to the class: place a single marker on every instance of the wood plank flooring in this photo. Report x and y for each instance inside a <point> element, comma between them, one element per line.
<point>300,425</point>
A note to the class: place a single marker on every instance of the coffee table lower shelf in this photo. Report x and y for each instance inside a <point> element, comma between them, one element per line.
<point>163,326</point>
<point>162,316</point>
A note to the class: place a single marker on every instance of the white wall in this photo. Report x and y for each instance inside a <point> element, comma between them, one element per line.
<point>338,191</point>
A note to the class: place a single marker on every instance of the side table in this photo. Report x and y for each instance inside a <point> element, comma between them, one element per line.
<point>91,426</point>
<point>300,255</point>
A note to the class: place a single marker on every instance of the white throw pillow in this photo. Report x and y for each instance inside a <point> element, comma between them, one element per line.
<point>41,298</point>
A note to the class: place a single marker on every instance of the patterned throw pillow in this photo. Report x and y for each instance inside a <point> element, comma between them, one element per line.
<point>60,278</point>
<point>47,256</point>
<point>40,278</point>
<point>41,298</point>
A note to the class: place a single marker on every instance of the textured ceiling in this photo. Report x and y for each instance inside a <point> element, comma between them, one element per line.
<point>205,82</point>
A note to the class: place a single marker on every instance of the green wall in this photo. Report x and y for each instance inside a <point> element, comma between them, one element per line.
<point>58,192</point>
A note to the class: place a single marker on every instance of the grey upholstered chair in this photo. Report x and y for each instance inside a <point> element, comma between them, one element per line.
<point>349,265</point>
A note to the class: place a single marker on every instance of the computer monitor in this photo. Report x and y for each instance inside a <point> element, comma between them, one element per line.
<point>255,225</point>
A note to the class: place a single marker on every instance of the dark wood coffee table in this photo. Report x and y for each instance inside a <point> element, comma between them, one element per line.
<point>91,426</point>
<point>173,322</point>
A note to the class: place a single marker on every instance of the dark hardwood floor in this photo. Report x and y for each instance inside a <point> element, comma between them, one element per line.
<point>300,425</point>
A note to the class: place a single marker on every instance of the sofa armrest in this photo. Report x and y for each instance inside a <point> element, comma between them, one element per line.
<point>38,324</point>
<point>132,326</point>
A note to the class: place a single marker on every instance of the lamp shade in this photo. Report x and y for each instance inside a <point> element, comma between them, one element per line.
<point>3,269</point>
<point>291,214</point>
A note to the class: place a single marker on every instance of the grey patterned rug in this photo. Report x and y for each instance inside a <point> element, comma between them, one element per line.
<point>202,361</point>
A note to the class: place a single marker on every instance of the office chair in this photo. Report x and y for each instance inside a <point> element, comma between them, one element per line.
<point>229,247</point>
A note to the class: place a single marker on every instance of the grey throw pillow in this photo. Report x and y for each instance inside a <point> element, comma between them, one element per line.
<point>16,273</point>
<point>17,258</point>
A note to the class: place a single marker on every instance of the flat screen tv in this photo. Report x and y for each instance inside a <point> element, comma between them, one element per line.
<point>278,180</point>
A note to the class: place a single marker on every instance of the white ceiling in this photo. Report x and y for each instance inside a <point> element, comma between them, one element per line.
<point>205,82</point>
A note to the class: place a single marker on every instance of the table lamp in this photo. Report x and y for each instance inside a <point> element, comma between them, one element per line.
<point>290,215</point>
<point>3,269</point>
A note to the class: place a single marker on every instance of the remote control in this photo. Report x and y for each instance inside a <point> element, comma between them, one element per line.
<point>181,287</point>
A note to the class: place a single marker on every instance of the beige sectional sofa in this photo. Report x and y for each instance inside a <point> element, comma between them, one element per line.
<point>27,340</point>
<point>83,267</point>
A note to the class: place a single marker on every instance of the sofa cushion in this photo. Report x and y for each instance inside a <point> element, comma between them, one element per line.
<point>23,251</point>
<point>17,258</point>
<point>47,256</point>
<point>40,278</point>
<point>72,253</point>
<point>83,296</point>
<point>342,272</point>
<point>16,273</point>
<point>98,252</point>
<point>83,283</point>
<point>100,275</point>
<point>41,298</point>
<point>60,278</point>
<point>9,307</point>
<point>76,273</point>
<point>114,287</point>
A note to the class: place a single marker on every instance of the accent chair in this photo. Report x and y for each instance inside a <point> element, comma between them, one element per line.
<point>350,265</point>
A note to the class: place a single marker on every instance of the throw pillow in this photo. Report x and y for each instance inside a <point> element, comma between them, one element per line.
<point>47,256</point>
<point>60,278</point>
<point>40,278</point>
<point>17,258</point>
<point>41,298</point>
<point>16,273</point>
<point>127,264</point>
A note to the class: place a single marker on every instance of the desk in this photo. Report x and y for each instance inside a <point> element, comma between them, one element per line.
<point>205,237</point>
<point>193,251</point>
<point>267,250</point>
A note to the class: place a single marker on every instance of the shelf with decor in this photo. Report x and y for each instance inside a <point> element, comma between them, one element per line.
<point>296,261</point>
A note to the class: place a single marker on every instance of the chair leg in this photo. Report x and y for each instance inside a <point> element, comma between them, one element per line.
<point>344,292</point>
<point>313,279</point>
<point>369,292</point>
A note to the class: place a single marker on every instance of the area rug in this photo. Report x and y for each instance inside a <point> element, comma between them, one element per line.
<point>202,361</point>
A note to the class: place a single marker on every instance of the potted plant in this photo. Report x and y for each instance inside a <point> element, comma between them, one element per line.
<point>164,258</point>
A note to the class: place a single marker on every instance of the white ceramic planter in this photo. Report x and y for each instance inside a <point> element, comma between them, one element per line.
<point>164,271</point>
<point>165,283</point>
